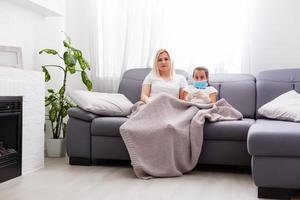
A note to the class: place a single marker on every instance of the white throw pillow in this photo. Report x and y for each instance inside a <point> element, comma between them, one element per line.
<point>284,107</point>
<point>108,104</point>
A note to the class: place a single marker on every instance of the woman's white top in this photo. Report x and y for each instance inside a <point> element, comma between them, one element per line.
<point>159,85</point>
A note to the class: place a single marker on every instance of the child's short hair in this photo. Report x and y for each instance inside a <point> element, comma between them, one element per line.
<point>201,68</point>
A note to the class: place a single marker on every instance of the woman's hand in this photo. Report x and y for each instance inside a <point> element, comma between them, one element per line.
<point>145,93</point>
<point>183,94</point>
<point>213,97</point>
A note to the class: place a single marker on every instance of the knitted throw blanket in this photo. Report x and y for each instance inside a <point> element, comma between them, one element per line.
<point>164,137</point>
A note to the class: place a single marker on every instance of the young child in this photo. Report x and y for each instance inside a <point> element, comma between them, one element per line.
<point>200,91</point>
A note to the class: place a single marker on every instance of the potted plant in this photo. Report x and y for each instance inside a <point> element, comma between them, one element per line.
<point>56,102</point>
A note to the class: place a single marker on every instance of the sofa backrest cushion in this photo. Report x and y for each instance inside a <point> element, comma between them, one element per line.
<point>132,80</point>
<point>238,89</point>
<point>270,84</point>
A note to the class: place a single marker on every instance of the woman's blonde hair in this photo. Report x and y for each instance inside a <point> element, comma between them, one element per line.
<point>155,69</point>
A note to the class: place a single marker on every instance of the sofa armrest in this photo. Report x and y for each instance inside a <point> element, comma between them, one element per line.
<point>81,114</point>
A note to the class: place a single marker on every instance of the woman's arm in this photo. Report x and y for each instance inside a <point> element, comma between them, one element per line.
<point>213,97</point>
<point>145,93</point>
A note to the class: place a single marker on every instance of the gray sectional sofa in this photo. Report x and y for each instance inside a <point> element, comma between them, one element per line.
<point>270,147</point>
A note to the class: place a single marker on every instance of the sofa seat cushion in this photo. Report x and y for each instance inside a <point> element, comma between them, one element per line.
<point>228,130</point>
<point>274,138</point>
<point>223,130</point>
<point>107,126</point>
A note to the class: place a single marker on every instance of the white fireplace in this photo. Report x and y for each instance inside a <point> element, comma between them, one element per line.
<point>30,85</point>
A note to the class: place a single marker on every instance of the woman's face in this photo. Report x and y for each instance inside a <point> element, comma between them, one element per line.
<point>199,75</point>
<point>163,62</point>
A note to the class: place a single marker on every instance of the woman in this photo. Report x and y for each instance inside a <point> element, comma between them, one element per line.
<point>162,79</point>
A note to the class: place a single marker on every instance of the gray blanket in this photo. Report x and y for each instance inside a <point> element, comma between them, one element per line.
<point>164,137</point>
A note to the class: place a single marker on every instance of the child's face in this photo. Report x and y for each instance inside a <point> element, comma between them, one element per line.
<point>199,75</point>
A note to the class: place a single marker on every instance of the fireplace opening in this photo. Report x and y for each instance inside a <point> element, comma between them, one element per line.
<point>10,137</point>
<point>6,151</point>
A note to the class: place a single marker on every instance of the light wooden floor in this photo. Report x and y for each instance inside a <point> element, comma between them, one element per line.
<point>60,181</point>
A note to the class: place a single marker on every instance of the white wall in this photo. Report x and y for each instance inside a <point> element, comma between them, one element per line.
<point>27,24</point>
<point>18,27</point>
<point>43,7</point>
<point>77,27</point>
<point>32,31</point>
<point>274,35</point>
<point>56,6</point>
<point>50,35</point>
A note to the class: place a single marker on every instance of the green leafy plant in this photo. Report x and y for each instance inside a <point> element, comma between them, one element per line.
<point>57,101</point>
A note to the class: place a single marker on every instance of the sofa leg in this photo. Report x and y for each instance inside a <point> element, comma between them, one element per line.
<point>274,193</point>
<point>80,161</point>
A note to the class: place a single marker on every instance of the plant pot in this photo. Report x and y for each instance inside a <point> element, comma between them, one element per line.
<point>56,147</point>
